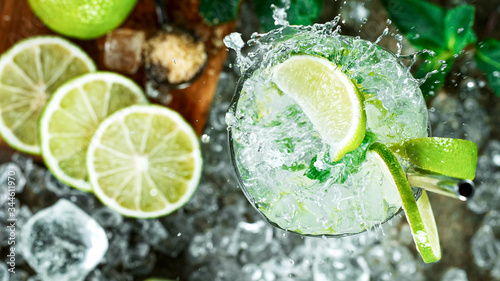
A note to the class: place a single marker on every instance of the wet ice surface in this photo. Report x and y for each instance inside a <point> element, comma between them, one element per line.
<point>62,242</point>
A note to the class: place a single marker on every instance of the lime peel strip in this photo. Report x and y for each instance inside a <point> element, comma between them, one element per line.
<point>424,231</point>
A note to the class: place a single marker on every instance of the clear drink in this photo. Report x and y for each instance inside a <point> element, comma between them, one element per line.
<point>281,160</point>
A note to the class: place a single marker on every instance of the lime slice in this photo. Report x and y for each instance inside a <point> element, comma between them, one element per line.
<point>29,72</point>
<point>445,156</point>
<point>328,97</point>
<point>144,161</point>
<point>418,213</point>
<point>71,117</point>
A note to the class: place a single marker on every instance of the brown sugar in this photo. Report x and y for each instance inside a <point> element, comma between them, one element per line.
<point>179,55</point>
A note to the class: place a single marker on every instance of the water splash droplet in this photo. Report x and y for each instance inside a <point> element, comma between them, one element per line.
<point>205,138</point>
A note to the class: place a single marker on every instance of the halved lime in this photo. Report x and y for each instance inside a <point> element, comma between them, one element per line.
<point>445,156</point>
<point>84,19</point>
<point>71,117</point>
<point>418,213</point>
<point>328,97</point>
<point>144,161</point>
<point>29,73</point>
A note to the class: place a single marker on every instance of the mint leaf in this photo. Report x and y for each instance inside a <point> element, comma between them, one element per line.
<point>215,12</point>
<point>458,28</point>
<point>314,173</point>
<point>340,170</point>
<point>286,145</point>
<point>301,12</point>
<point>422,22</point>
<point>294,167</point>
<point>433,83</point>
<point>488,60</point>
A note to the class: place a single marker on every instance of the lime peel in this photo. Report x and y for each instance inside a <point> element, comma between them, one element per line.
<point>418,213</point>
<point>445,156</point>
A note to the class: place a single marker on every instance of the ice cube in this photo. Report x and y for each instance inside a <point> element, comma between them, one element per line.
<point>20,275</point>
<point>62,242</point>
<point>252,272</point>
<point>107,217</point>
<point>486,196</point>
<point>151,231</point>
<point>485,247</point>
<point>12,176</point>
<point>201,248</point>
<point>86,201</point>
<point>138,256</point>
<point>455,274</point>
<point>495,271</point>
<point>253,236</point>
<point>56,186</point>
<point>122,50</point>
<point>4,273</point>
<point>341,267</point>
<point>95,275</point>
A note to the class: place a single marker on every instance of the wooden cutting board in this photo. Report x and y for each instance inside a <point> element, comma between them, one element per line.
<point>17,22</point>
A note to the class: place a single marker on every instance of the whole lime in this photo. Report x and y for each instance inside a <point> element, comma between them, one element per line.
<point>83,19</point>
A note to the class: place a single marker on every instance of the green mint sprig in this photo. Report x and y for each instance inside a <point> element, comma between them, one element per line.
<point>446,32</point>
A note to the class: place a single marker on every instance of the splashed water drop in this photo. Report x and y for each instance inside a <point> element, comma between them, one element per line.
<point>205,138</point>
<point>279,13</point>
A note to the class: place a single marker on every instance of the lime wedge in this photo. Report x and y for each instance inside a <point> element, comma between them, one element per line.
<point>445,156</point>
<point>328,97</point>
<point>418,213</point>
<point>71,117</point>
<point>144,161</point>
<point>29,73</point>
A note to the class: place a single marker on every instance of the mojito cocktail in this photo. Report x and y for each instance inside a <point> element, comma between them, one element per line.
<point>303,117</point>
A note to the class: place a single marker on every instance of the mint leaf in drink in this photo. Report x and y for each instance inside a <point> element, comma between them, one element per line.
<point>294,167</point>
<point>421,22</point>
<point>339,171</point>
<point>301,12</point>
<point>215,12</point>
<point>488,60</point>
<point>458,28</point>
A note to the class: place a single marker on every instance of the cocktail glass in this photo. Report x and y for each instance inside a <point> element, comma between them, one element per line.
<point>272,143</point>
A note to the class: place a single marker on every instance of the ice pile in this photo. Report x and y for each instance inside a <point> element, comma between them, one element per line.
<point>486,244</point>
<point>62,242</point>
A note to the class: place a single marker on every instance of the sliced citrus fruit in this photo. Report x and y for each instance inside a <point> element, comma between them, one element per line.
<point>445,156</point>
<point>328,97</point>
<point>71,117</point>
<point>418,213</point>
<point>29,73</point>
<point>144,161</point>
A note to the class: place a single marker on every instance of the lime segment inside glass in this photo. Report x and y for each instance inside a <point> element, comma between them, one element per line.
<point>328,97</point>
